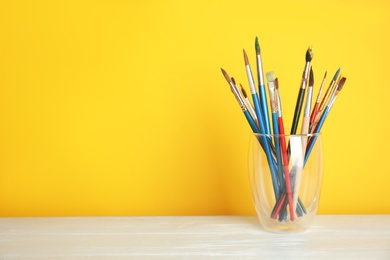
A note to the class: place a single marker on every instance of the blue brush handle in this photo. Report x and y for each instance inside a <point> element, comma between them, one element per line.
<point>258,113</point>
<point>264,107</point>
<point>318,129</point>
<point>264,143</point>
<point>275,123</point>
<point>260,117</point>
<point>262,139</point>
<point>251,121</point>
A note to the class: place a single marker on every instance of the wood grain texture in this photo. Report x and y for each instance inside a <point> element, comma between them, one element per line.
<point>225,237</point>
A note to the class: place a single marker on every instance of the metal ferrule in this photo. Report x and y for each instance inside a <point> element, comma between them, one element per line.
<point>333,96</point>
<point>307,69</point>
<point>321,89</point>
<point>250,79</point>
<point>238,96</point>
<point>250,108</point>
<point>271,89</point>
<point>306,113</point>
<point>260,70</point>
<point>322,106</point>
<point>305,75</point>
<point>279,103</point>
<point>333,93</point>
<point>331,102</point>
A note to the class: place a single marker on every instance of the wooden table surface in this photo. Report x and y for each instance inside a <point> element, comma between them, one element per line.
<point>192,237</point>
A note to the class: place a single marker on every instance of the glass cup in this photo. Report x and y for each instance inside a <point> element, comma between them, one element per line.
<point>285,175</point>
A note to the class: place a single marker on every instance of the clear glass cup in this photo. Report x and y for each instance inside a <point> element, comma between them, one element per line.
<point>286,195</point>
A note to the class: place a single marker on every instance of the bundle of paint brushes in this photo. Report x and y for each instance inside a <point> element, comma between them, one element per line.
<point>258,116</point>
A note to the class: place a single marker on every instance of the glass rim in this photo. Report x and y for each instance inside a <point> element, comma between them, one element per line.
<point>287,135</point>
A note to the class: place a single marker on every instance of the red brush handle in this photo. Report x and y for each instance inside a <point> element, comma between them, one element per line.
<point>314,113</point>
<point>285,166</point>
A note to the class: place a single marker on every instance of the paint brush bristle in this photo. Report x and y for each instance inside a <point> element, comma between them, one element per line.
<point>276,82</point>
<point>226,75</point>
<point>341,84</point>
<point>243,92</point>
<point>233,80</point>
<point>311,77</point>
<point>257,46</point>
<point>309,54</point>
<point>246,58</point>
<point>336,75</point>
<point>270,76</point>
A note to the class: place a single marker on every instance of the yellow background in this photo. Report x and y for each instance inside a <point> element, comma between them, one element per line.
<point>120,108</point>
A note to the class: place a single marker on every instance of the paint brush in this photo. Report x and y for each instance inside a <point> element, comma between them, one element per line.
<point>324,116</point>
<point>301,93</point>
<point>249,105</point>
<point>274,108</point>
<point>315,108</point>
<point>261,85</point>
<point>283,151</point>
<point>279,207</point>
<point>273,101</point>
<point>329,91</point>
<point>241,102</point>
<point>298,150</point>
<point>255,98</point>
<point>324,100</point>
<point>263,141</point>
<point>306,112</point>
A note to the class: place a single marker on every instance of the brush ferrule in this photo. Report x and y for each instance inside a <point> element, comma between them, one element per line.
<point>333,93</point>
<point>250,79</point>
<point>250,108</point>
<point>279,103</point>
<point>260,75</point>
<point>320,91</point>
<point>331,102</point>
<point>271,91</point>
<point>325,99</point>
<point>274,107</point>
<point>307,69</point>
<point>238,96</point>
<point>306,112</point>
<point>305,75</point>
<point>303,83</point>
<point>334,96</point>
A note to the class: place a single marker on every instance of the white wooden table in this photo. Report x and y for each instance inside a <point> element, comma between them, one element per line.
<point>224,237</point>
